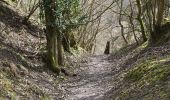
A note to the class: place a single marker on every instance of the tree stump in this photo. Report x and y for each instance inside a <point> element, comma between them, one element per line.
<point>107,49</point>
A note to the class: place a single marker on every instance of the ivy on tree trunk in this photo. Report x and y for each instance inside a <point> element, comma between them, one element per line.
<point>50,19</point>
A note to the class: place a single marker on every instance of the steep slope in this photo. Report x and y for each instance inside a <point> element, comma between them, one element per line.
<point>23,75</point>
<point>145,74</point>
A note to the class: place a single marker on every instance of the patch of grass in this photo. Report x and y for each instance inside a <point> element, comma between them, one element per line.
<point>148,80</point>
<point>142,46</point>
<point>149,71</point>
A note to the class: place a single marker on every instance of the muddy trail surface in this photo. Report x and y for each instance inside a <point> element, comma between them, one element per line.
<point>94,80</point>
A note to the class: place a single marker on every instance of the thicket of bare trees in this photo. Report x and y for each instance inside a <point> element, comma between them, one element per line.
<point>144,19</point>
<point>85,23</point>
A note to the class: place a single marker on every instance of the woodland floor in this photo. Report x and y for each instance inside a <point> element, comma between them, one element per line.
<point>24,76</point>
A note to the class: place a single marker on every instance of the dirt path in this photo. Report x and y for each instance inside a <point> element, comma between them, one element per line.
<point>94,80</point>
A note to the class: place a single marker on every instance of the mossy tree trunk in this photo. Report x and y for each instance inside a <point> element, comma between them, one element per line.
<point>160,14</point>
<point>140,20</point>
<point>66,41</point>
<point>155,35</point>
<point>50,19</point>
<point>60,49</point>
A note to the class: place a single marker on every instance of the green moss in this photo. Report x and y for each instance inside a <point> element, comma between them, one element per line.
<point>149,70</point>
<point>44,98</point>
<point>147,79</point>
<point>141,47</point>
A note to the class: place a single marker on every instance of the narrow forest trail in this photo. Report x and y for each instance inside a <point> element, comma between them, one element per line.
<point>93,81</point>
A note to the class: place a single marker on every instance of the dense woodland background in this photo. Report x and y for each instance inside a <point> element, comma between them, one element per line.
<point>85,49</point>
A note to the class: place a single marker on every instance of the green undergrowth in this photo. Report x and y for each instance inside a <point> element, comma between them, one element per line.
<point>78,51</point>
<point>133,48</point>
<point>150,70</point>
<point>141,47</point>
<point>148,80</point>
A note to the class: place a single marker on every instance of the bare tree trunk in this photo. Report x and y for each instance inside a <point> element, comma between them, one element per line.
<point>167,6</point>
<point>133,30</point>
<point>33,9</point>
<point>140,20</point>
<point>66,41</point>
<point>131,22</point>
<point>120,23</point>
